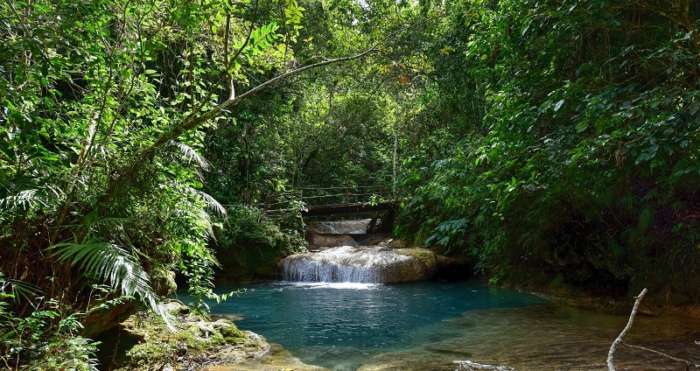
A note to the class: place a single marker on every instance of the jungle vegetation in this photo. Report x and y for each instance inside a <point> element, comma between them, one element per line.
<point>548,141</point>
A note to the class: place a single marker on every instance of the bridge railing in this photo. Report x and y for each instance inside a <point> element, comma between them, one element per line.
<point>299,199</point>
<point>344,195</point>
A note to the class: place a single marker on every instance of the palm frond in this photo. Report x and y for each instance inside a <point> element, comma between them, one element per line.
<point>206,219</point>
<point>20,290</point>
<point>111,264</point>
<point>23,200</point>
<point>25,291</point>
<point>211,202</point>
<point>190,155</point>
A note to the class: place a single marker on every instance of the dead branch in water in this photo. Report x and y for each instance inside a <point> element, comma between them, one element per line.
<point>665,355</point>
<point>630,322</point>
<point>619,340</point>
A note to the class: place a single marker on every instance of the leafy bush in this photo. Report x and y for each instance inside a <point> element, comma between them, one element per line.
<point>571,146</point>
<point>250,244</point>
<point>43,340</point>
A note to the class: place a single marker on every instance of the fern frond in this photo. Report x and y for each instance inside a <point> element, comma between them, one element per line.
<point>209,226</point>
<point>190,155</point>
<point>111,264</point>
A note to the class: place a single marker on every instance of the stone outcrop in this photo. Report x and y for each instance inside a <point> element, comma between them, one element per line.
<point>193,341</point>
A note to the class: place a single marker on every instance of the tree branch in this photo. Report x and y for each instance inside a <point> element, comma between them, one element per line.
<point>665,355</point>
<point>618,339</point>
<point>125,175</point>
<point>196,120</point>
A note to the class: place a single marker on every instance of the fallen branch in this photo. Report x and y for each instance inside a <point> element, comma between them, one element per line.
<point>618,339</point>
<point>666,355</point>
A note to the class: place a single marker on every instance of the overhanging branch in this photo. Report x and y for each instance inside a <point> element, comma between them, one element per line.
<point>199,119</point>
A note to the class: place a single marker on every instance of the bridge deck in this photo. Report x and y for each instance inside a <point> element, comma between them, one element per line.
<point>348,208</point>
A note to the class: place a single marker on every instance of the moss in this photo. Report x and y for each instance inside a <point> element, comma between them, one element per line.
<point>193,338</point>
<point>163,281</point>
<point>232,333</point>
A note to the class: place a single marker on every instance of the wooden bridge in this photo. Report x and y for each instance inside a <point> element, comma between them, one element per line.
<point>335,202</point>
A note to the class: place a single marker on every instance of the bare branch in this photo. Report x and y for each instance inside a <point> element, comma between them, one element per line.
<point>618,339</point>
<point>227,61</point>
<point>665,355</point>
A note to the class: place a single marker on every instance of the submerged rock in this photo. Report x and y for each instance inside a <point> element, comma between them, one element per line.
<point>369,264</point>
<point>468,365</point>
<point>276,359</point>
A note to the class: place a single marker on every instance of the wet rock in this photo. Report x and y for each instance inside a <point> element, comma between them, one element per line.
<point>275,358</point>
<point>397,244</point>
<point>319,241</point>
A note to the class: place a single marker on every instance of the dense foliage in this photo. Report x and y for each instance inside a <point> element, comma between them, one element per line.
<point>564,143</point>
<point>103,108</point>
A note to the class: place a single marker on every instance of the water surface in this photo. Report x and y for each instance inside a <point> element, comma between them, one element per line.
<point>429,325</point>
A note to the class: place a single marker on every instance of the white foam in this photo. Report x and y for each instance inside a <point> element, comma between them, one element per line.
<point>333,285</point>
<point>343,264</point>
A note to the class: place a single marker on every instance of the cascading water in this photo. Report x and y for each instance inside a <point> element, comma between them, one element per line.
<point>368,264</point>
<point>344,227</point>
<point>359,264</point>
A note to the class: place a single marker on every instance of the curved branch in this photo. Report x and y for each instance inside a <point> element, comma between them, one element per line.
<point>618,339</point>
<point>198,119</point>
<point>125,175</point>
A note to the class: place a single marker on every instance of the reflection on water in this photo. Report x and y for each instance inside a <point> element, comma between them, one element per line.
<point>427,326</point>
<point>545,337</point>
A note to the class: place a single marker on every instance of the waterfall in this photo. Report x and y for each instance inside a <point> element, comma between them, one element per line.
<point>369,264</point>
<point>351,227</point>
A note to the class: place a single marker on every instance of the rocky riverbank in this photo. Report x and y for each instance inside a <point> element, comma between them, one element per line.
<point>194,342</point>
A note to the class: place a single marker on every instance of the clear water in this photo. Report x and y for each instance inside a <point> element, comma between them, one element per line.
<point>341,324</point>
<point>429,325</point>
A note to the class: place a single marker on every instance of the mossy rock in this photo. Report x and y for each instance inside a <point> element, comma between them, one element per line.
<point>106,316</point>
<point>163,281</point>
<point>193,338</point>
<point>421,266</point>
